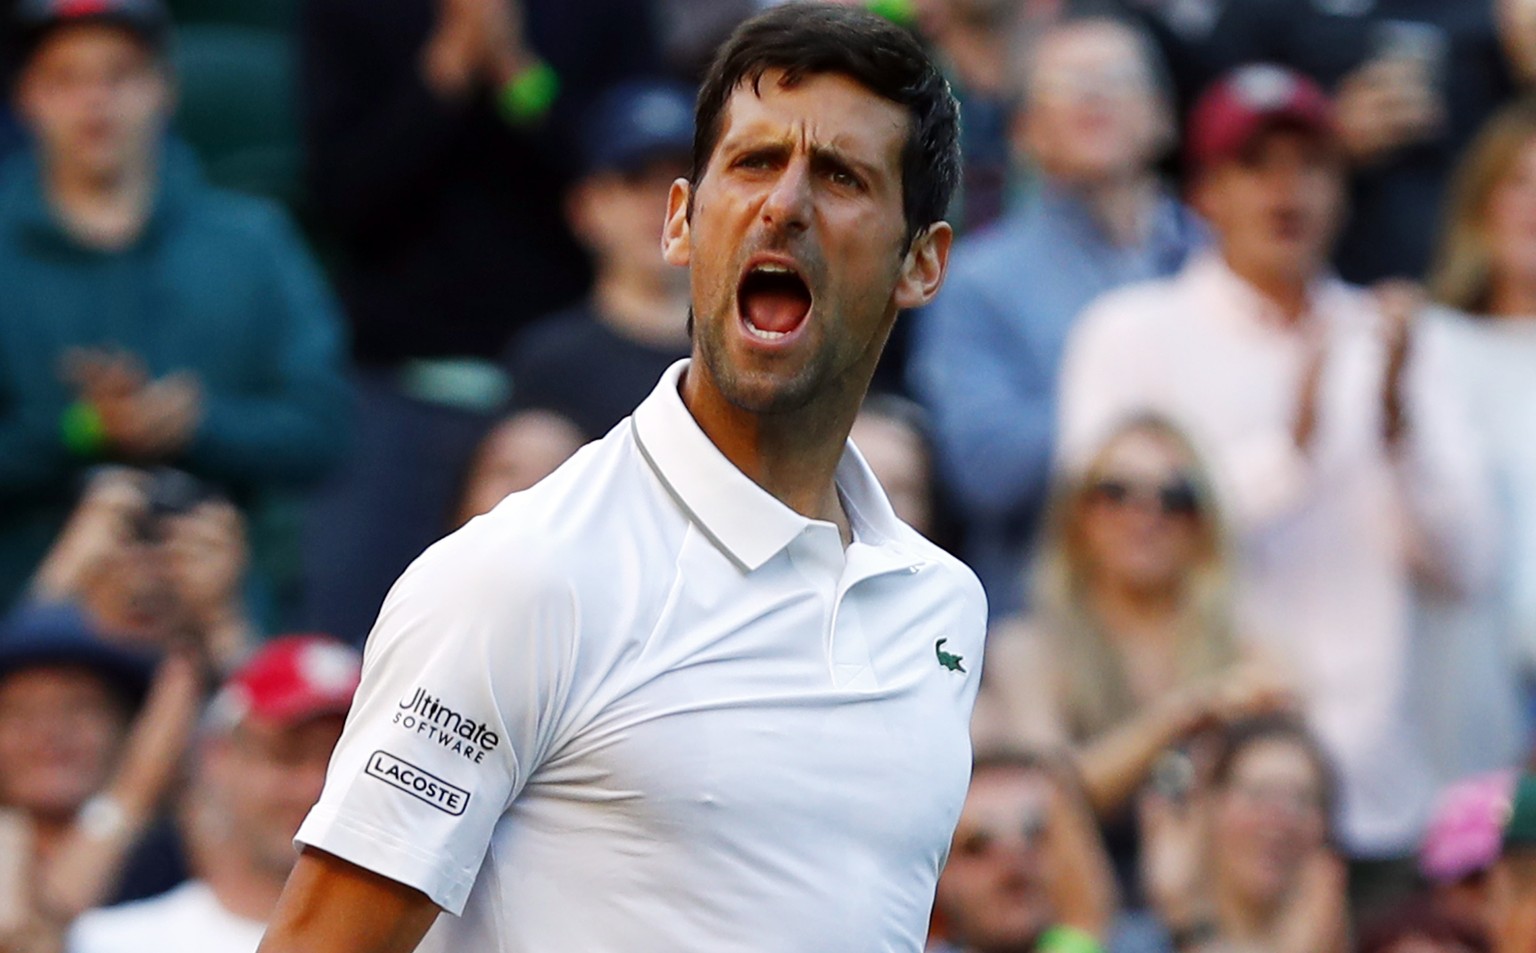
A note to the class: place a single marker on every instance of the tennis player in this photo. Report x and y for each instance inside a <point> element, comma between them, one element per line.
<point>699,690</point>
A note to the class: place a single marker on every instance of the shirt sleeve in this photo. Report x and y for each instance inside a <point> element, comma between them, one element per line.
<point>1443,472</point>
<point>464,678</point>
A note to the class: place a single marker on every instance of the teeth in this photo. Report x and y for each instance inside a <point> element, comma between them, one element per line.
<point>770,268</point>
<point>765,335</point>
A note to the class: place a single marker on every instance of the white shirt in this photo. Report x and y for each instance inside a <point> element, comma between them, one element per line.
<point>1494,359</point>
<point>187,919</point>
<point>1327,539</point>
<point>644,706</point>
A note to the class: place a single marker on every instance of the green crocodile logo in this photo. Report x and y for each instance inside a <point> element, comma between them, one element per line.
<point>951,662</point>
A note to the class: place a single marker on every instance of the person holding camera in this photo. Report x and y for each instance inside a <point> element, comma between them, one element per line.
<point>158,559</point>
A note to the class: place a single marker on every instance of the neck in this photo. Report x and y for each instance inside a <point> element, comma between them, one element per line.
<point>48,833</point>
<point>638,306</point>
<point>792,455</point>
<point>103,210</point>
<point>1513,296</point>
<point>1123,207</point>
<point>1290,293</point>
<point>240,886</point>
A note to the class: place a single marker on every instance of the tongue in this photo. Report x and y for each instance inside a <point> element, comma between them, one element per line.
<point>775,309</point>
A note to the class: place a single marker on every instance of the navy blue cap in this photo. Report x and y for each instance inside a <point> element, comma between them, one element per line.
<point>48,635</point>
<point>147,19</point>
<point>636,122</point>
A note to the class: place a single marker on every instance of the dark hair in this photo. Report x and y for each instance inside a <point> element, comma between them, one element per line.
<point>1417,919</point>
<point>1287,729</point>
<point>806,39</point>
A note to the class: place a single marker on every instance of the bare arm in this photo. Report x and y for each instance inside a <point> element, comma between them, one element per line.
<point>332,906</point>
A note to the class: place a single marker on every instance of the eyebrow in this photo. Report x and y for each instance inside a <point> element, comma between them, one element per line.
<point>821,155</point>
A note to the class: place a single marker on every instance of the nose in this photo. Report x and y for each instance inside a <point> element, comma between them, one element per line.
<point>787,206</point>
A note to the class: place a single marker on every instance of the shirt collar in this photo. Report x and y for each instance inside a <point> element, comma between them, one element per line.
<point>1246,303</point>
<point>747,522</point>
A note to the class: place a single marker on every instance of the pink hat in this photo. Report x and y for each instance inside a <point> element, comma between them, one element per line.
<point>1466,828</point>
<point>292,679</point>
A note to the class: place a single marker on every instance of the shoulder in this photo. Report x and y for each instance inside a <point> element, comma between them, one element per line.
<point>554,542</point>
<point>239,222</point>
<point>557,333</point>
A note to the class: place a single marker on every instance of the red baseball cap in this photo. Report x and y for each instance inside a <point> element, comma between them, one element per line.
<point>1248,101</point>
<point>292,679</point>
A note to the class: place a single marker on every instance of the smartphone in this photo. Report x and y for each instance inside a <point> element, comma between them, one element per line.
<point>1424,44</point>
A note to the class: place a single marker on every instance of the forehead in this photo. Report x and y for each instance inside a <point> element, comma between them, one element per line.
<point>825,110</point>
<point>1140,451</point>
<point>1275,759</point>
<point>1005,793</point>
<point>50,680</point>
<point>88,41</point>
<point>1088,46</point>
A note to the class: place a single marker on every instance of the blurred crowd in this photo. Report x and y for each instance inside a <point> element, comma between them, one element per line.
<point>1230,400</point>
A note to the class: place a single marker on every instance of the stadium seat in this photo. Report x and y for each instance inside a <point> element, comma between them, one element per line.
<point>238,90</point>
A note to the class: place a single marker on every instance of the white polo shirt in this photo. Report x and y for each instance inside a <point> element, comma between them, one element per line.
<point>644,706</point>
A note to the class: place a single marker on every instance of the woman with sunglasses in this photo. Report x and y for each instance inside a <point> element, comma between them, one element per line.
<point>1130,649</point>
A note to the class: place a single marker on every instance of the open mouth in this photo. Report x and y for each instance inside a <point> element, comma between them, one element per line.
<point>773,300</point>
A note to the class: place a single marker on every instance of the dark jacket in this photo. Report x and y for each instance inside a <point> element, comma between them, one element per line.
<point>448,219</point>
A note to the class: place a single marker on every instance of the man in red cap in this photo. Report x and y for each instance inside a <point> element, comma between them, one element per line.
<point>1347,466</point>
<point>260,767</point>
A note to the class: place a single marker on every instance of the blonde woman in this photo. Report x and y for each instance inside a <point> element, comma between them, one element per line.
<point>1485,281</point>
<point>1131,648</point>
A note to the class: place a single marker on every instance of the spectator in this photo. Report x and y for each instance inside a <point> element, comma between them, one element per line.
<point>1027,870</point>
<point>986,353</point>
<point>1414,82</point>
<point>594,363</point>
<point>1245,861</point>
<point>149,318</point>
<point>1131,648</point>
<point>974,43</point>
<point>82,775</point>
<point>1344,456</point>
<point>156,560</point>
<point>892,436</point>
<point>1486,277</point>
<point>439,133</point>
<point>260,766</point>
<point>1462,846</point>
<point>518,452</point>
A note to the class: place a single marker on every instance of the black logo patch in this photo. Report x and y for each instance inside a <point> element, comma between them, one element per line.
<point>423,785</point>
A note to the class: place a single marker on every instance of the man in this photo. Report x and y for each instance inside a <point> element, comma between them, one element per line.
<point>1027,871</point>
<point>594,363</point>
<point>987,354</point>
<point>698,690</point>
<point>1414,80</point>
<point>91,736</point>
<point>260,767</point>
<point>149,318</point>
<point>1345,462</point>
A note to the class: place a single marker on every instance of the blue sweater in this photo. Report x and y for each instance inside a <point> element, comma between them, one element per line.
<point>217,284</point>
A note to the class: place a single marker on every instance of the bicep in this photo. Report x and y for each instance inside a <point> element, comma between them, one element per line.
<point>333,906</point>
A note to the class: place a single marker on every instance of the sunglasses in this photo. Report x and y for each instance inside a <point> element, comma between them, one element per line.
<point>980,840</point>
<point>1177,497</point>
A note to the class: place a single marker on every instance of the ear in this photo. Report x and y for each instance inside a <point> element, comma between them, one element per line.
<point>676,241</point>
<point>923,270</point>
<point>580,207</point>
